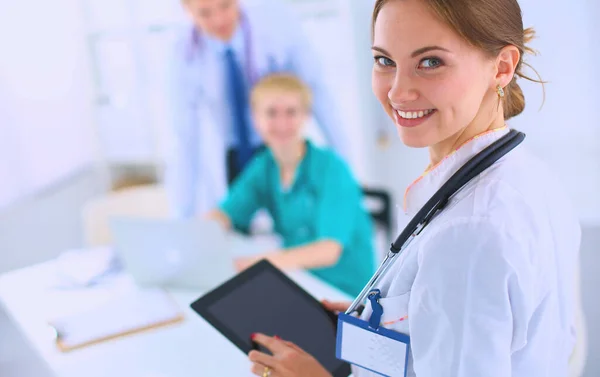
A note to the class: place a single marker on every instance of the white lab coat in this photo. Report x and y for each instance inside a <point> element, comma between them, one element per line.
<point>488,285</point>
<point>196,173</point>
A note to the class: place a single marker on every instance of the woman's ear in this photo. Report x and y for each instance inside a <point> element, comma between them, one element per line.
<point>506,65</point>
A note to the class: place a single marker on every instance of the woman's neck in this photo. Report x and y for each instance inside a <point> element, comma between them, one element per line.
<point>442,149</point>
<point>288,160</point>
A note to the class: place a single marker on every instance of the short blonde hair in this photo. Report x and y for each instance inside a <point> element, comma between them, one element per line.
<point>281,82</point>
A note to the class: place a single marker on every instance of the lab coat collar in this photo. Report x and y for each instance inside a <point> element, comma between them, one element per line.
<point>423,188</point>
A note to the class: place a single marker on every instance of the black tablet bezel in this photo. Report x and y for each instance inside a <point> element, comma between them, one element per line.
<point>202,304</point>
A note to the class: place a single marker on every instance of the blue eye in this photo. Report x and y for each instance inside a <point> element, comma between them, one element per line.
<point>383,61</point>
<point>430,63</point>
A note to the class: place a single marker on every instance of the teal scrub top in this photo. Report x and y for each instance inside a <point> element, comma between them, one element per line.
<point>324,202</point>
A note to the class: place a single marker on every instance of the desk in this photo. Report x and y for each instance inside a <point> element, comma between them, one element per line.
<point>190,348</point>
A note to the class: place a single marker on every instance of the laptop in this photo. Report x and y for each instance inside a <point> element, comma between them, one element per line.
<point>186,254</point>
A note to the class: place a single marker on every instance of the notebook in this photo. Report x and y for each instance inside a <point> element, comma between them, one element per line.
<point>128,314</point>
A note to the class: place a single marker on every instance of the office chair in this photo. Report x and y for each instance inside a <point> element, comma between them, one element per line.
<point>382,214</point>
<point>379,206</point>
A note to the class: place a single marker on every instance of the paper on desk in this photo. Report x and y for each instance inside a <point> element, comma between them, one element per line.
<point>83,267</point>
<point>128,314</point>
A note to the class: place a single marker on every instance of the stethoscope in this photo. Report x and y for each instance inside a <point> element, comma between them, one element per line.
<point>251,73</point>
<point>438,201</point>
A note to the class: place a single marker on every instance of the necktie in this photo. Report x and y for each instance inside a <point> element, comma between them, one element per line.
<point>238,99</point>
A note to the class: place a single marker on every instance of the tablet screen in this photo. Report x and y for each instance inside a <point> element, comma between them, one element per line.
<point>262,299</point>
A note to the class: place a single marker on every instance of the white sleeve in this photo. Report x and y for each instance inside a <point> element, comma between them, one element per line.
<point>470,300</point>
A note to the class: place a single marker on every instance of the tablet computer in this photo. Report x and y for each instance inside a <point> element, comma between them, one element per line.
<point>263,299</point>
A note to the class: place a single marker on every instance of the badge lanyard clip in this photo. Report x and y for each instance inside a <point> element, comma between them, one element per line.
<point>375,319</point>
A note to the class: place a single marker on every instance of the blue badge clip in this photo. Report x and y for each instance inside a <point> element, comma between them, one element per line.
<point>375,318</point>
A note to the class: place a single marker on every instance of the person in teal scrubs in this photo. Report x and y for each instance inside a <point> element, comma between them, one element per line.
<point>309,191</point>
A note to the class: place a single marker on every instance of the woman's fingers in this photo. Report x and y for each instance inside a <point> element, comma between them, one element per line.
<point>293,346</point>
<point>336,306</point>
<point>288,359</point>
<point>273,344</point>
<point>259,370</point>
<point>258,357</point>
<point>261,360</point>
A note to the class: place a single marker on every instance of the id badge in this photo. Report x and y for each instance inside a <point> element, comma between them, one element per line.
<point>372,347</point>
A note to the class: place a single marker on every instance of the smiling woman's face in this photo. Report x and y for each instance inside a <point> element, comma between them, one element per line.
<point>429,80</point>
<point>279,117</point>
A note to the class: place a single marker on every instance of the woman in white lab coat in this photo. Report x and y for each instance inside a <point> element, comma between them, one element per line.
<point>215,62</point>
<point>487,288</point>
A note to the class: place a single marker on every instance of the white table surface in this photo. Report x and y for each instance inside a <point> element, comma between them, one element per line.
<point>190,348</point>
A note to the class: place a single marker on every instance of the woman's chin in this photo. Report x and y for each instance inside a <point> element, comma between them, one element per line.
<point>412,139</point>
